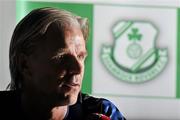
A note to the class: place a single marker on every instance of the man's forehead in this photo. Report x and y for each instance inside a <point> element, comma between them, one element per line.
<point>77,40</point>
<point>73,35</point>
<point>67,37</point>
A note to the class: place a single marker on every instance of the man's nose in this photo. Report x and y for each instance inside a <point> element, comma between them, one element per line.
<point>73,66</point>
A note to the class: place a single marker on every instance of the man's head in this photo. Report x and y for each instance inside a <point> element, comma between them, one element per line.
<point>47,54</point>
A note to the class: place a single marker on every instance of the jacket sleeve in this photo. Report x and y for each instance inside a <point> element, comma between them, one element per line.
<point>102,106</point>
<point>109,109</point>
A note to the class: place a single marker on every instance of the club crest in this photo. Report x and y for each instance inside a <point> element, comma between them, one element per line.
<point>134,56</point>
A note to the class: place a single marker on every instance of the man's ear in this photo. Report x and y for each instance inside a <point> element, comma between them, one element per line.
<point>23,63</point>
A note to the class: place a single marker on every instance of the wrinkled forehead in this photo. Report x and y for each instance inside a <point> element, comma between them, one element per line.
<point>59,31</point>
<point>57,36</point>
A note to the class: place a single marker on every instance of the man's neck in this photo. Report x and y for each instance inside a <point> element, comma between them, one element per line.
<point>58,113</point>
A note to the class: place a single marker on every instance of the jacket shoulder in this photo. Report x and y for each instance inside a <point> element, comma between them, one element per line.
<point>100,105</point>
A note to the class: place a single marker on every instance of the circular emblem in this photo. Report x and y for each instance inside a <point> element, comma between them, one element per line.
<point>134,57</point>
<point>134,50</point>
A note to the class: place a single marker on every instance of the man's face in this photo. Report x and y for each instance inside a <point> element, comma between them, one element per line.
<point>56,68</point>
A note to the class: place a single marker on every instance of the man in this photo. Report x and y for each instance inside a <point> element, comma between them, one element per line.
<point>47,54</point>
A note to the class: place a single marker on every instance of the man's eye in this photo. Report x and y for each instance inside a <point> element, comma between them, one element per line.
<point>57,59</point>
<point>81,57</point>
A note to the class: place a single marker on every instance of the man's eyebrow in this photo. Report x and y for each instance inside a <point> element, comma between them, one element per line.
<point>60,53</point>
<point>64,51</point>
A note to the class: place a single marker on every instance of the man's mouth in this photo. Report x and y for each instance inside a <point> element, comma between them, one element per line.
<point>65,87</point>
<point>69,81</point>
<point>69,84</point>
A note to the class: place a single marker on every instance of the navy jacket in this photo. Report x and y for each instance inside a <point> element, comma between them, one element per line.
<point>85,107</point>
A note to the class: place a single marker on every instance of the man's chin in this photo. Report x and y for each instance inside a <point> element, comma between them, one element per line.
<point>71,99</point>
<point>67,99</point>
